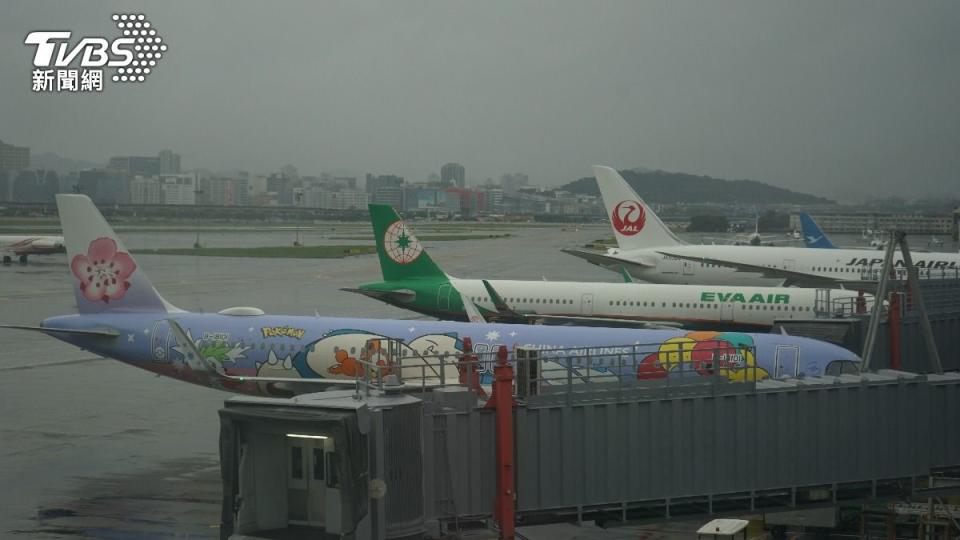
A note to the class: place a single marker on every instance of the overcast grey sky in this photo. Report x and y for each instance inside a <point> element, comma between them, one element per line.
<point>830,97</point>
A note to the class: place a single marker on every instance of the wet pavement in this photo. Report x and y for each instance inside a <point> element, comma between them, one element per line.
<point>93,448</point>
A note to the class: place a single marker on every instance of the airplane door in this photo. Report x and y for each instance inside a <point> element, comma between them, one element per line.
<point>789,264</point>
<point>586,304</point>
<point>726,312</point>
<point>788,361</point>
<point>162,342</point>
<point>443,297</point>
<point>688,267</point>
<point>308,492</point>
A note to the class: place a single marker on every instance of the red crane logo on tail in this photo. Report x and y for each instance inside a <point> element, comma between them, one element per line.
<point>628,217</point>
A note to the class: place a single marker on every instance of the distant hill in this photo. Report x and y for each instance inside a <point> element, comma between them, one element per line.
<point>669,187</point>
<point>51,161</point>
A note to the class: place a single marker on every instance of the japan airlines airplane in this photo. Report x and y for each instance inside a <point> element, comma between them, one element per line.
<point>21,246</point>
<point>648,250</point>
<point>122,316</point>
<point>412,280</point>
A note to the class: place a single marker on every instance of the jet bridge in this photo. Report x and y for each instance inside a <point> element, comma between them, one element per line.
<point>612,449</point>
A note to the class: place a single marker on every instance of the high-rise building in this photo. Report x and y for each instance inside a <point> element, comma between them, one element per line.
<point>511,183</point>
<point>33,186</point>
<point>225,191</point>
<point>145,190</point>
<point>169,162</point>
<point>106,186</point>
<point>386,189</point>
<point>345,199</point>
<point>136,165</point>
<point>453,174</point>
<point>14,158</point>
<point>179,188</point>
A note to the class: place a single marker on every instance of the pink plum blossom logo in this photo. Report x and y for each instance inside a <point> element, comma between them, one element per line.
<point>103,271</point>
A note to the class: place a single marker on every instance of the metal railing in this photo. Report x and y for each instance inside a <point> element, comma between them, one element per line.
<point>665,366</point>
<point>827,306</point>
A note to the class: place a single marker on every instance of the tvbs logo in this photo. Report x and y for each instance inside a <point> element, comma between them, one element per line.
<point>72,67</point>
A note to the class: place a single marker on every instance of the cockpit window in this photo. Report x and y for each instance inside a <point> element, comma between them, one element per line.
<point>842,367</point>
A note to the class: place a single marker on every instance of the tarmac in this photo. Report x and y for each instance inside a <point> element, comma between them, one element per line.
<point>93,448</point>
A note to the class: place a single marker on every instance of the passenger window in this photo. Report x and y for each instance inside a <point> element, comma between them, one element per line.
<point>296,462</point>
<point>318,463</point>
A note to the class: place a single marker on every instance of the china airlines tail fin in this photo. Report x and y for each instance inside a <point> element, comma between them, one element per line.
<point>401,254</point>
<point>635,225</point>
<point>105,276</point>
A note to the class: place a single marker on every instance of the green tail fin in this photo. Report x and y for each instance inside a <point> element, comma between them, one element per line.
<point>401,254</point>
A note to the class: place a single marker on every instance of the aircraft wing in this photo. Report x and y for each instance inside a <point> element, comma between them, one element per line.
<point>607,261</point>
<point>582,320</point>
<point>789,277</point>
<point>105,332</point>
<point>401,295</point>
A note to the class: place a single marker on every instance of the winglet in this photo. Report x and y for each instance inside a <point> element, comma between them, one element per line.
<point>473,314</point>
<point>627,278</point>
<point>503,310</point>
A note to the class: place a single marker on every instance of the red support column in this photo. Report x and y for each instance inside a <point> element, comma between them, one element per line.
<point>861,303</point>
<point>501,400</point>
<point>893,322</point>
<point>469,368</point>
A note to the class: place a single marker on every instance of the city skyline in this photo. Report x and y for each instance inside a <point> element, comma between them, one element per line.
<point>826,98</point>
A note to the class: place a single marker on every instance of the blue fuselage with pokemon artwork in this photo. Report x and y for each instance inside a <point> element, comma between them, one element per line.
<point>122,316</point>
<point>298,347</point>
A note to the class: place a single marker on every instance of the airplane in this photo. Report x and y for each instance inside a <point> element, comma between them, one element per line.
<point>413,281</point>
<point>752,239</point>
<point>242,349</point>
<point>22,246</point>
<point>816,238</point>
<point>813,237</point>
<point>649,251</point>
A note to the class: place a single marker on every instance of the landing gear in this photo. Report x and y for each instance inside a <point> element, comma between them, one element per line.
<point>23,259</point>
<point>7,259</point>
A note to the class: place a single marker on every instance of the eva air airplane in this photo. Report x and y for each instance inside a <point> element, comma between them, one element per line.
<point>242,349</point>
<point>412,280</point>
<point>648,250</point>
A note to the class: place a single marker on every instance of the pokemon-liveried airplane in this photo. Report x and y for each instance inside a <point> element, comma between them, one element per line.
<point>412,280</point>
<point>648,250</point>
<point>22,246</point>
<point>122,316</point>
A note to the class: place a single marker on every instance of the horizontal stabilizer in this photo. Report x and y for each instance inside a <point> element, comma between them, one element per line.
<point>105,332</point>
<point>607,261</point>
<point>605,321</point>
<point>401,295</point>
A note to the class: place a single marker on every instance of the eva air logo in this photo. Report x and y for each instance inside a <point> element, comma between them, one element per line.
<point>400,244</point>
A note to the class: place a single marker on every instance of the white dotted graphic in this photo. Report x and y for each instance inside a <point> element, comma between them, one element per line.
<point>148,49</point>
<point>400,244</point>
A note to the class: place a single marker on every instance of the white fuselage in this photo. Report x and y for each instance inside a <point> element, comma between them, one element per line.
<point>758,306</point>
<point>31,245</point>
<point>841,264</point>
